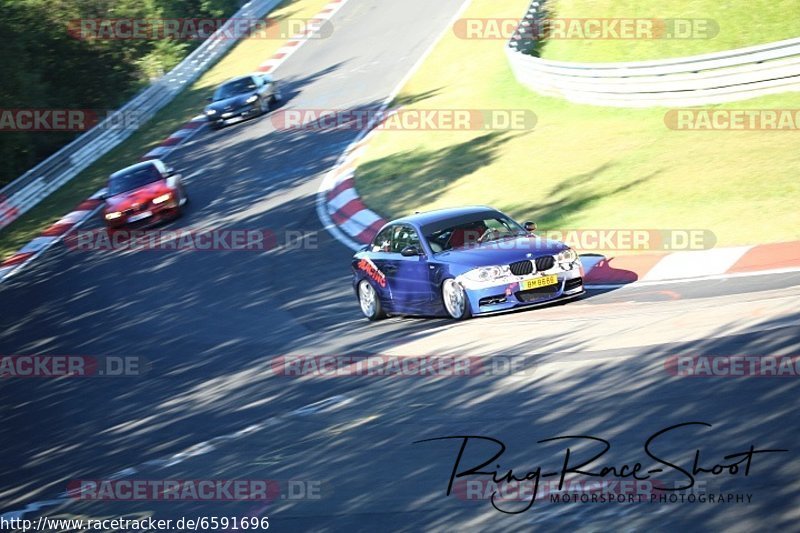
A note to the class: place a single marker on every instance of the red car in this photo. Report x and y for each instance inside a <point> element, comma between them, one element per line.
<point>143,195</point>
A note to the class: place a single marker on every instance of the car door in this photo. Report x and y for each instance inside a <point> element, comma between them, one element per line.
<point>409,278</point>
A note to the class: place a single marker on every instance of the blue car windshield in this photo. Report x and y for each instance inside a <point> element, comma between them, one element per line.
<point>465,232</point>
<point>233,88</point>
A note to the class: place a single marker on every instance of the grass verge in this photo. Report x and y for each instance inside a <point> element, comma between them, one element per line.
<point>739,24</point>
<point>582,166</point>
<point>242,58</point>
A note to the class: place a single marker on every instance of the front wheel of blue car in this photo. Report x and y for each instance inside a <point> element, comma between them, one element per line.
<point>455,300</point>
<point>369,301</point>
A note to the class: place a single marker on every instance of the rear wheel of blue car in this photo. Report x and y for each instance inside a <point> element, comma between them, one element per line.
<point>455,300</point>
<point>369,301</point>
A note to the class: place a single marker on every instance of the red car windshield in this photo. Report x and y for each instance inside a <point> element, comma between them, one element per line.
<point>134,179</point>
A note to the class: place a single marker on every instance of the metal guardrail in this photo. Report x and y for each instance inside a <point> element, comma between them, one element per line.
<point>688,81</point>
<point>25,192</point>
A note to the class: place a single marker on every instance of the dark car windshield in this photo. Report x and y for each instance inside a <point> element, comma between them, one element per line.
<point>133,179</point>
<point>231,89</point>
<point>470,231</point>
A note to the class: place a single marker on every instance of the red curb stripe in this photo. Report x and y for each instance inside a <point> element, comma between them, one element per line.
<point>16,259</point>
<point>769,257</point>
<point>88,205</point>
<point>264,68</point>
<point>56,229</point>
<point>338,218</point>
<point>368,234</point>
<point>171,141</point>
<point>352,207</point>
<point>349,183</point>
<point>623,269</point>
<point>279,55</point>
<point>292,43</point>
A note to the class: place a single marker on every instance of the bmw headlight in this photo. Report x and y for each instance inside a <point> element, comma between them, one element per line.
<point>251,99</point>
<point>210,112</point>
<point>487,274</point>
<point>163,198</point>
<point>567,256</point>
<point>113,215</point>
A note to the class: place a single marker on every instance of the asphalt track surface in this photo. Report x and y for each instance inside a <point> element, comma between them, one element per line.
<point>210,324</point>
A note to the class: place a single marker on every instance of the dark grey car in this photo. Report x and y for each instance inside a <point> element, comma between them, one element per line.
<point>242,98</point>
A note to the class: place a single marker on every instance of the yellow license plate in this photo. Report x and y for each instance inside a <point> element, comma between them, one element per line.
<point>537,283</point>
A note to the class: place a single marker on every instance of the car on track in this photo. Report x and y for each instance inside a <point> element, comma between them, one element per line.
<point>242,98</point>
<point>462,262</point>
<point>142,195</point>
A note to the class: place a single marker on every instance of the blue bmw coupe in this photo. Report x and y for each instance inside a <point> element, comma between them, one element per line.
<point>459,263</point>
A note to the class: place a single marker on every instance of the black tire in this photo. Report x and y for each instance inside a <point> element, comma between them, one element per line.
<point>274,100</point>
<point>375,311</point>
<point>455,301</point>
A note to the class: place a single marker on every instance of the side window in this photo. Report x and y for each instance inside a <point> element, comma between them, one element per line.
<point>404,236</point>
<point>383,242</point>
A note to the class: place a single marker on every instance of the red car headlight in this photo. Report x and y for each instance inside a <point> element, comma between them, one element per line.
<point>163,198</point>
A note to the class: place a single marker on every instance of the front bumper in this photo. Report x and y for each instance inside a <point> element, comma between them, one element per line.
<point>508,295</point>
<point>237,115</point>
<point>157,214</point>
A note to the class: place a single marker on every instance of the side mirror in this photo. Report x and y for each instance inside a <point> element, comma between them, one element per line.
<point>410,251</point>
<point>209,99</point>
<point>530,227</point>
<point>170,171</point>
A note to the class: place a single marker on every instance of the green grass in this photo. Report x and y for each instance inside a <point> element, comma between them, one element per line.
<point>739,23</point>
<point>582,166</point>
<point>242,58</point>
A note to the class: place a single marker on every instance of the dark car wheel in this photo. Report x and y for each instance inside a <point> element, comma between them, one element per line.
<point>369,301</point>
<point>263,105</point>
<point>455,300</point>
<point>184,199</point>
<point>275,99</point>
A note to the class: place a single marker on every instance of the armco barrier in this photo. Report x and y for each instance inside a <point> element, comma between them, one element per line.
<point>688,81</point>
<point>36,184</point>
